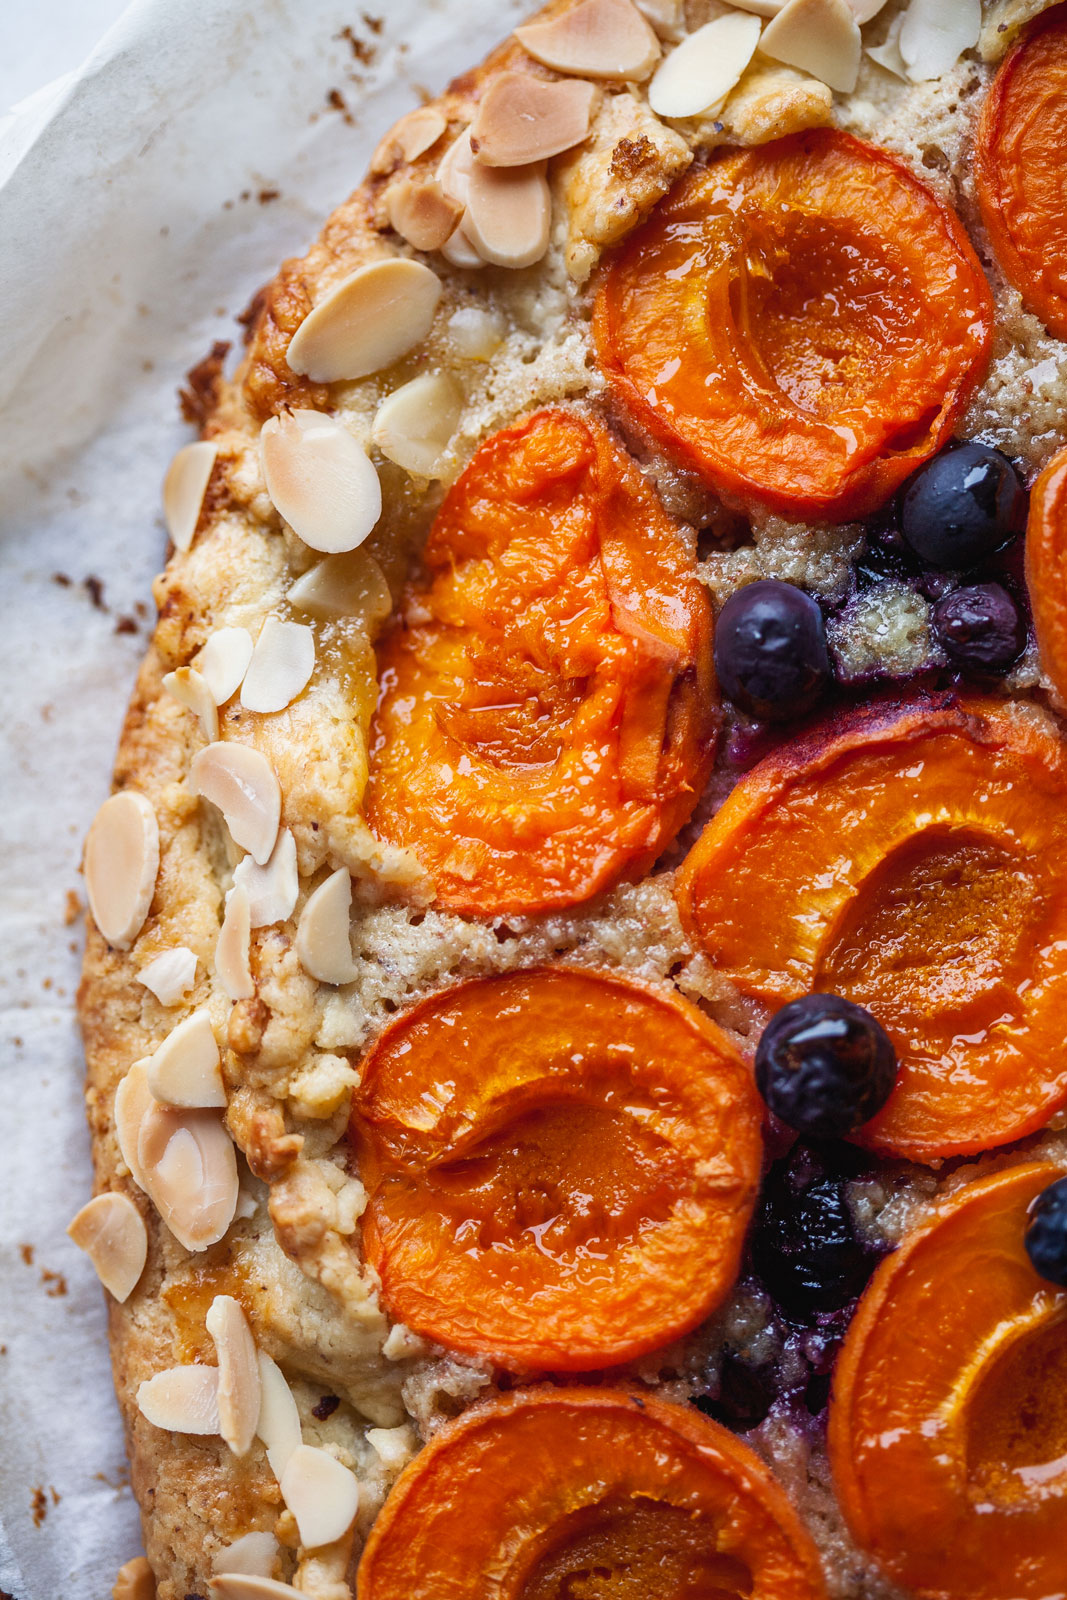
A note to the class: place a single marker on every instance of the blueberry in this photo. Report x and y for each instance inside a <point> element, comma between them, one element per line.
<point>1046,1237</point>
<point>963,506</point>
<point>824,1065</point>
<point>805,1246</point>
<point>980,629</point>
<point>746,1394</point>
<point>770,650</point>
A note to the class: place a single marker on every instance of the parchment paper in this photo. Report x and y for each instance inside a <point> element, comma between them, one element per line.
<point>142,202</point>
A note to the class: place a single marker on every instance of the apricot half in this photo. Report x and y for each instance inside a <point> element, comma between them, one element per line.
<point>548,712</point>
<point>801,324</point>
<point>1019,167</point>
<point>948,1415</point>
<point>914,859</point>
<point>602,1494</point>
<point>560,1166</point>
<point>1046,569</point>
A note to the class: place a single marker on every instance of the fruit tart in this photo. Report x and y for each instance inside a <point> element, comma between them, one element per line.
<point>574,997</point>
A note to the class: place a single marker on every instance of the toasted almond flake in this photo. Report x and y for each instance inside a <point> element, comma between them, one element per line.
<point>760,8</point>
<point>238,1372</point>
<point>241,782</point>
<point>184,488</point>
<point>251,1556</point>
<point>455,167</point>
<point>411,137</point>
<point>170,975</point>
<point>320,480</point>
<point>245,1586</point>
<point>414,425</point>
<point>323,935</point>
<point>121,865</point>
<point>666,16</point>
<point>322,1494</point>
<point>191,690</point>
<point>233,948</point>
<point>351,585</point>
<point>184,1070</point>
<point>134,1581</point>
<point>459,252</point>
<point>369,321</point>
<point>224,661</point>
<point>818,36</point>
<point>888,54</point>
<point>420,211</point>
<point>700,73</point>
<point>111,1231</point>
<point>935,33</point>
<point>509,213</point>
<point>522,119</point>
<point>864,10</point>
<point>475,333</point>
<point>281,666</point>
<point>133,1099</point>
<point>278,1424</point>
<point>598,39</point>
<point>190,1173</point>
<point>271,890</point>
<point>181,1400</point>
<point>394,1447</point>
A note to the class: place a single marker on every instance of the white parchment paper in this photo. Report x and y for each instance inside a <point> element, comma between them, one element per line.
<point>142,202</point>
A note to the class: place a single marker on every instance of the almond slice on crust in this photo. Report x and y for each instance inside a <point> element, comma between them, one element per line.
<point>760,8</point>
<point>246,1586</point>
<point>271,889</point>
<point>281,666</point>
<point>420,212</point>
<point>935,33</point>
<point>323,935</point>
<point>251,1556</point>
<point>394,1447</point>
<point>522,119</point>
<point>233,948</point>
<point>597,39</point>
<point>455,167</point>
<point>133,1100</point>
<point>459,252</point>
<point>409,139</point>
<point>322,1494</point>
<point>415,424</point>
<point>191,690</point>
<point>278,1424</point>
<point>320,480</point>
<point>134,1580</point>
<point>241,782</point>
<point>181,1400</point>
<point>369,321</point>
<point>184,488</point>
<point>224,660</point>
<point>509,214</point>
<point>817,36</point>
<point>184,1071</point>
<point>121,866</point>
<point>238,1372</point>
<point>190,1173</point>
<point>170,975</point>
<point>700,73</point>
<point>111,1231</point>
<point>888,54</point>
<point>351,585</point>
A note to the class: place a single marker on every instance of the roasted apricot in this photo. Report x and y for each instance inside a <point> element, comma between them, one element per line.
<point>912,858</point>
<point>560,1166</point>
<point>1022,134</point>
<point>1046,569</point>
<point>548,713</point>
<point>606,1494</point>
<point>801,324</point>
<point>948,1415</point>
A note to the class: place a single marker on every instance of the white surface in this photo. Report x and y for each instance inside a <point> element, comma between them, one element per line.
<point>131,236</point>
<point>42,39</point>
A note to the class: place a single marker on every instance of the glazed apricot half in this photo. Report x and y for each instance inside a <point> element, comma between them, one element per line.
<point>912,858</point>
<point>559,1166</point>
<point>1046,569</point>
<point>548,713</point>
<point>801,324</point>
<point>948,1415</point>
<point>603,1494</point>
<point>1022,135</point>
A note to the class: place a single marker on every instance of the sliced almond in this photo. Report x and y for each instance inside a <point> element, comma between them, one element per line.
<point>935,33</point>
<point>133,1100</point>
<point>134,1580</point>
<point>191,690</point>
<point>121,866</point>
<point>320,480</point>
<point>238,1372</point>
<point>271,890</point>
<point>864,10</point>
<point>170,975</point>
<point>818,36</point>
<point>420,211</point>
<point>475,333</point>
<point>251,1556</point>
<point>233,949</point>
<point>597,39</point>
<point>184,488</point>
<point>414,425</point>
<point>369,321</point>
<point>281,666</point>
<point>190,1173</point>
<point>459,252</point>
<point>351,585</point>
<point>412,136</point>
<point>394,1447</point>
<point>522,119</point>
<point>887,54</point>
<point>666,16</point>
<point>224,660</point>
<point>700,73</point>
<point>509,213</point>
<point>322,1494</point>
<point>278,1424</point>
<point>241,782</point>
<point>244,1586</point>
<point>181,1400</point>
<point>185,1070</point>
<point>111,1231</point>
<point>323,935</point>
<point>455,167</point>
<point>760,8</point>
